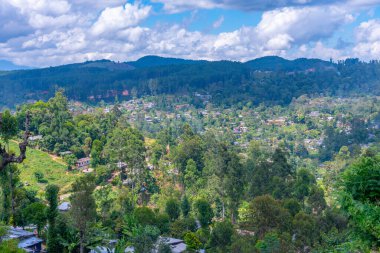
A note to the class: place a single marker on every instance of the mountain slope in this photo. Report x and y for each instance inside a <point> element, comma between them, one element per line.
<point>275,63</point>
<point>271,80</point>
<point>157,61</point>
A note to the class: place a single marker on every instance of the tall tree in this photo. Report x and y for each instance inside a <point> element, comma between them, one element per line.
<point>234,183</point>
<point>190,147</point>
<point>191,174</point>
<point>83,207</point>
<point>96,153</point>
<point>59,130</point>
<point>8,127</point>
<point>360,197</point>
<point>10,181</point>
<point>266,214</point>
<point>224,162</point>
<point>127,145</point>
<point>172,209</point>
<point>36,214</point>
<point>204,212</point>
<point>221,235</point>
<point>51,196</point>
<point>185,206</point>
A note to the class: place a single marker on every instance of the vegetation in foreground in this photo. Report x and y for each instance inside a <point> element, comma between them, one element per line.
<point>200,187</point>
<point>41,168</point>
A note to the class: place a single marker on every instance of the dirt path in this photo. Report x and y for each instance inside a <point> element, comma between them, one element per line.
<point>57,159</point>
<point>64,196</point>
<point>54,157</point>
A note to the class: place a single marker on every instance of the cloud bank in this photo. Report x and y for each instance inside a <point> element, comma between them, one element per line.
<point>44,32</point>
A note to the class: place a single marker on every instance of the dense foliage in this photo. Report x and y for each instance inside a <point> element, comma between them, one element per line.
<point>193,180</point>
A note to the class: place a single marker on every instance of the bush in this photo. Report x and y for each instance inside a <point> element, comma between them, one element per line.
<point>40,177</point>
<point>145,216</point>
<point>164,248</point>
<point>221,234</point>
<point>145,239</point>
<point>292,205</point>
<point>172,209</point>
<point>163,223</point>
<point>192,241</point>
<point>180,227</point>
<point>185,206</point>
<point>10,246</point>
<point>243,244</point>
<point>270,243</point>
<point>102,174</point>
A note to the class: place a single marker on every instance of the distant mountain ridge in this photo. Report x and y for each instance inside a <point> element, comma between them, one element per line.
<point>275,63</point>
<point>271,79</point>
<point>266,63</point>
<point>156,61</point>
<point>101,64</point>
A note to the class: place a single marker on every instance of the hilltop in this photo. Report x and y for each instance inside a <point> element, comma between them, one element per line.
<point>270,80</point>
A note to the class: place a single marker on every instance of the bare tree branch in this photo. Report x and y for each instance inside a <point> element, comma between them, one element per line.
<point>7,157</point>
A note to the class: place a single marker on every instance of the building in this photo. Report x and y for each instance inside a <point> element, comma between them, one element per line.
<point>35,138</point>
<point>314,114</point>
<point>27,240</point>
<point>121,165</point>
<point>277,122</point>
<point>176,246</point>
<point>83,163</point>
<point>64,207</point>
<point>65,153</point>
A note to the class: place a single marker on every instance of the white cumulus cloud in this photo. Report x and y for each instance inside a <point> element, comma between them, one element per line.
<point>117,18</point>
<point>40,33</point>
<point>251,5</point>
<point>368,40</point>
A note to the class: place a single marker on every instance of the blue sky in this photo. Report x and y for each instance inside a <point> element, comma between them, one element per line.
<point>43,33</point>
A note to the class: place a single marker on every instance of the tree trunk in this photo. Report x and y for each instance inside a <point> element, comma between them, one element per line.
<point>223,210</point>
<point>81,246</point>
<point>133,195</point>
<point>12,197</point>
<point>6,157</point>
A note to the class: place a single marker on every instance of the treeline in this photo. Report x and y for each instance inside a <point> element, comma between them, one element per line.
<point>262,81</point>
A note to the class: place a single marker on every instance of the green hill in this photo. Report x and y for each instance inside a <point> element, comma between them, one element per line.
<point>269,80</point>
<point>53,169</point>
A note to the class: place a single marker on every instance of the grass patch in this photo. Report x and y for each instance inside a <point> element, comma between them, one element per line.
<point>53,169</point>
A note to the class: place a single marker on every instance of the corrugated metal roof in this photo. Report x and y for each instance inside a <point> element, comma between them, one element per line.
<point>16,233</point>
<point>169,240</point>
<point>29,242</point>
<point>178,248</point>
<point>65,206</point>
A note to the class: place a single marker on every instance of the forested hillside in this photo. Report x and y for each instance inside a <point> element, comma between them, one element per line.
<point>269,80</point>
<point>242,179</point>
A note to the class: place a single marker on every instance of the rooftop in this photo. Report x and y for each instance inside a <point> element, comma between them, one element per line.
<point>65,206</point>
<point>18,233</point>
<point>29,242</point>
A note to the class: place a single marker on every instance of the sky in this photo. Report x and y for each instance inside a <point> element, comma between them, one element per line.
<point>41,33</point>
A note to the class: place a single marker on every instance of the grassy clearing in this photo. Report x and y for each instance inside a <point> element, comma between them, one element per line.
<point>54,170</point>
